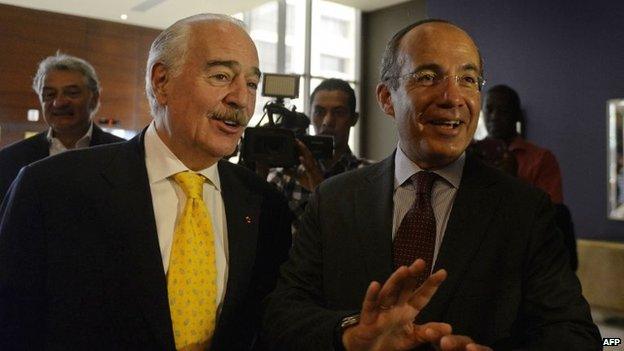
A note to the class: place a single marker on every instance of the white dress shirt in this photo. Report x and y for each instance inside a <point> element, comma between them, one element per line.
<point>168,200</point>
<point>56,146</point>
<point>442,194</point>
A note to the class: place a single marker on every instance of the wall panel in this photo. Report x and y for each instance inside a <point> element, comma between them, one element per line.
<point>117,51</point>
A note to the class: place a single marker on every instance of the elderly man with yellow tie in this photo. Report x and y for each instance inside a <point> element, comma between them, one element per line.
<point>155,243</point>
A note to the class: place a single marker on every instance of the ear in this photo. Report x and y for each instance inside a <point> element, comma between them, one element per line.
<point>354,118</point>
<point>95,99</point>
<point>160,78</point>
<point>384,99</point>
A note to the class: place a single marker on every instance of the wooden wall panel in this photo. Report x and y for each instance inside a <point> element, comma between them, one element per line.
<point>117,51</point>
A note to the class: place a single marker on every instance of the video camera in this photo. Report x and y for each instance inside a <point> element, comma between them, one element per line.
<point>273,144</point>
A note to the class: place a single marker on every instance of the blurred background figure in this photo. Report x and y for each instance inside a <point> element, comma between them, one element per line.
<point>332,114</point>
<point>506,149</point>
<point>536,165</point>
<point>69,93</point>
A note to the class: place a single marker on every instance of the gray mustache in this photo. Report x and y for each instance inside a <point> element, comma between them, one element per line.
<point>238,116</point>
<point>62,112</point>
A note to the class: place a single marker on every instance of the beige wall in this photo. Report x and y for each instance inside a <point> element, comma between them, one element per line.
<point>118,52</point>
<point>601,272</point>
<point>378,133</point>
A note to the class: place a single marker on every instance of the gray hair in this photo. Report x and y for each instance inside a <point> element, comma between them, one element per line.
<point>64,62</point>
<point>170,47</point>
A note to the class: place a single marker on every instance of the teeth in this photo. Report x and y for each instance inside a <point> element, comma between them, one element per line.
<point>447,123</point>
<point>230,123</point>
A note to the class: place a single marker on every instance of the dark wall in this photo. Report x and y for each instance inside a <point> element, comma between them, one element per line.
<point>565,59</point>
<point>118,52</point>
<point>378,136</point>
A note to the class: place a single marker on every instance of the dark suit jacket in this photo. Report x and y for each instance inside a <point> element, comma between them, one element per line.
<point>22,153</point>
<point>80,264</point>
<point>509,284</point>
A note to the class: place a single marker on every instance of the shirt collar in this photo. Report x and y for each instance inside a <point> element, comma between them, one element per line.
<point>84,141</point>
<point>405,168</point>
<point>162,163</point>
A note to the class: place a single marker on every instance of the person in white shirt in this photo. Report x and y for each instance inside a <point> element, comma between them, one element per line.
<point>69,91</point>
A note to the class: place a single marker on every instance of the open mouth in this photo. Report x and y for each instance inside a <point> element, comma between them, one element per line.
<point>447,124</point>
<point>231,121</point>
<point>62,113</point>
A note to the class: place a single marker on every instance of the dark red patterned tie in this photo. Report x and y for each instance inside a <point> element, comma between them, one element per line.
<point>416,236</point>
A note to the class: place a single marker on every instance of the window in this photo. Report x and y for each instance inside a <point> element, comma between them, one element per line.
<point>328,49</point>
<point>333,25</point>
<point>333,63</point>
<point>263,17</point>
<point>267,53</point>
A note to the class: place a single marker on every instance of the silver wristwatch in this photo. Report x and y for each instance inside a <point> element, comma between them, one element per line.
<point>349,321</point>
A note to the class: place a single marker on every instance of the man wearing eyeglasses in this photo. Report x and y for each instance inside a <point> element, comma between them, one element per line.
<point>429,248</point>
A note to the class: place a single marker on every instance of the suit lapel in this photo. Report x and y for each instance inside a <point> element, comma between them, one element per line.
<point>373,205</point>
<point>132,224</point>
<point>96,135</point>
<point>472,211</point>
<point>40,148</point>
<point>242,209</point>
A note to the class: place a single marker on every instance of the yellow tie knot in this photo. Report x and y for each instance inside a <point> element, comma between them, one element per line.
<point>191,183</point>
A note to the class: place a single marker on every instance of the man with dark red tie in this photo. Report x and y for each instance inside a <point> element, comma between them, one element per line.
<point>429,248</point>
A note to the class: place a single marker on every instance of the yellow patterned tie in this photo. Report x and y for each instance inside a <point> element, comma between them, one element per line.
<point>191,280</point>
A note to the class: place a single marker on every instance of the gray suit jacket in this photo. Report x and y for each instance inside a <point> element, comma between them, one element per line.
<point>509,284</point>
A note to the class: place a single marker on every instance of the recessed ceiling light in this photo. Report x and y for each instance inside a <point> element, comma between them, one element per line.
<point>124,16</point>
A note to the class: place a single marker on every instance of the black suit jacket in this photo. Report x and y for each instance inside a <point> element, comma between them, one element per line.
<point>509,284</point>
<point>80,264</point>
<point>22,153</point>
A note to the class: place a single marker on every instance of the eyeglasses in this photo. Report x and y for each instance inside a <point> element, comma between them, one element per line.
<point>428,79</point>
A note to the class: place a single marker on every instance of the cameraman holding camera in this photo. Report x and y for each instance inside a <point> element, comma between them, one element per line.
<point>333,114</point>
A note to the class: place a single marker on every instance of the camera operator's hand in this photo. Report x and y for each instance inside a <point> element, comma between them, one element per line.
<point>262,169</point>
<point>311,175</point>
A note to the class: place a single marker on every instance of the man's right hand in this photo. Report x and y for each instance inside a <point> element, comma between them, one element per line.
<point>388,314</point>
<point>311,175</point>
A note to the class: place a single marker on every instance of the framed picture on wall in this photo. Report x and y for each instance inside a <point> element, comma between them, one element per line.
<point>615,159</point>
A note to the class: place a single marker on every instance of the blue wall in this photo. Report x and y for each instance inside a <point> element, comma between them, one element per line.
<point>565,59</point>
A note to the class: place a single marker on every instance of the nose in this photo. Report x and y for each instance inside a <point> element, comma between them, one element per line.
<point>238,96</point>
<point>60,100</point>
<point>328,119</point>
<point>452,94</point>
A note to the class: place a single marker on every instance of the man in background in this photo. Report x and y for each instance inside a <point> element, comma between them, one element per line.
<point>536,165</point>
<point>333,114</point>
<point>154,243</point>
<point>69,92</point>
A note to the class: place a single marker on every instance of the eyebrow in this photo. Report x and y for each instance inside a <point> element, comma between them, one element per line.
<point>234,65</point>
<point>436,67</point>
<point>63,87</point>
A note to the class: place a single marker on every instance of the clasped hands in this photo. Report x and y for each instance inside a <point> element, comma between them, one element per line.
<point>388,314</point>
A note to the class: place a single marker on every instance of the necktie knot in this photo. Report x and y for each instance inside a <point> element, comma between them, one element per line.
<point>423,182</point>
<point>191,183</point>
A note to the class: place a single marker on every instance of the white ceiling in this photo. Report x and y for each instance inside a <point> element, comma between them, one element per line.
<point>162,13</point>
